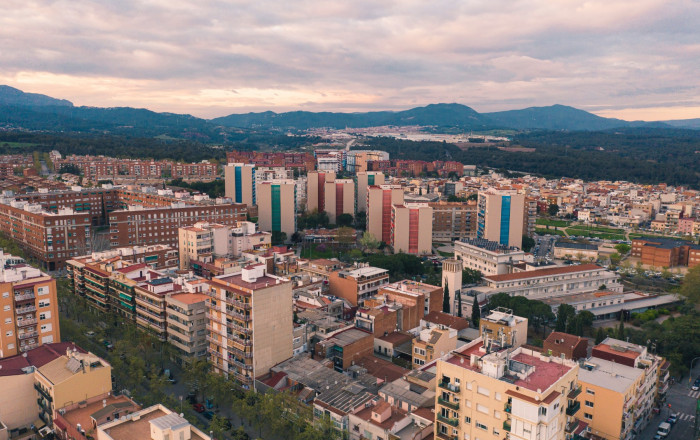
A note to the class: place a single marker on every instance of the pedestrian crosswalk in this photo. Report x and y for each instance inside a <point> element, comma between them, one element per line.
<point>683,416</point>
<point>694,394</point>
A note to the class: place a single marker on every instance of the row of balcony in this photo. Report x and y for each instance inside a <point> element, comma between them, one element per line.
<point>228,324</point>
<point>230,300</point>
<point>449,386</point>
<point>25,309</point>
<point>26,322</point>
<point>43,391</point>
<point>573,408</point>
<point>449,421</point>
<point>447,403</point>
<point>25,296</point>
<point>442,436</point>
<point>27,335</point>
<point>27,347</point>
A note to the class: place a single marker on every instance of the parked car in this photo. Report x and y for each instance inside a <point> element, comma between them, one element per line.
<point>664,429</point>
<point>198,407</point>
<point>208,415</point>
<point>696,384</point>
<point>672,419</point>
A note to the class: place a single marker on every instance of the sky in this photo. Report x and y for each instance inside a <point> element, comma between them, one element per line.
<point>635,60</point>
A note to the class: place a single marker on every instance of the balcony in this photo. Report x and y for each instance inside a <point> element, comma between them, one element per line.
<point>573,408</point>
<point>27,335</point>
<point>25,297</point>
<point>43,392</point>
<point>25,309</point>
<point>240,364</point>
<point>663,387</point>
<point>571,426</point>
<point>508,407</point>
<point>574,393</point>
<point>447,403</point>
<point>27,347</point>
<point>506,425</point>
<point>449,387</point>
<point>449,421</point>
<point>446,436</point>
<point>26,322</point>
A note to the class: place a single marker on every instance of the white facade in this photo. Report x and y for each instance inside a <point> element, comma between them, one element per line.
<point>489,258</point>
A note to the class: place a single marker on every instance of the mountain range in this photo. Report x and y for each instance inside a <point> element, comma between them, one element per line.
<point>40,112</point>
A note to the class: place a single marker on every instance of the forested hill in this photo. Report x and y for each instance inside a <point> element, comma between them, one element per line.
<point>643,155</point>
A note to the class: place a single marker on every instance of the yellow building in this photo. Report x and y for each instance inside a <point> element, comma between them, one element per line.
<point>500,217</point>
<point>380,199</point>
<point>609,399</point>
<point>46,379</point>
<point>501,326</point>
<point>513,393</point>
<point>431,344</point>
<point>153,423</point>
<point>28,310</point>
<point>316,189</point>
<point>250,323</point>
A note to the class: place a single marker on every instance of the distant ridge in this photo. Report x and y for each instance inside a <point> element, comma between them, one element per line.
<point>40,112</point>
<point>11,96</point>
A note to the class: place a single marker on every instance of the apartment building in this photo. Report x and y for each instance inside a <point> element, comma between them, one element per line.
<point>432,343</point>
<point>500,217</point>
<point>264,174</point>
<point>204,240</point>
<point>250,323</point>
<point>453,220</point>
<point>291,160</point>
<point>358,283</point>
<point>552,282</point>
<point>41,381</point>
<point>186,324</point>
<point>502,327</point>
<point>145,226</point>
<point>240,183</point>
<point>365,179</point>
<point>339,198</point>
<point>358,161</point>
<point>503,392</point>
<point>153,423</point>
<point>316,189</point>
<point>488,257</point>
<point>579,251</point>
<point>412,228</point>
<point>28,309</point>
<point>380,199</point>
<point>277,207</point>
<point>571,347</point>
<point>201,171</point>
<point>418,299</point>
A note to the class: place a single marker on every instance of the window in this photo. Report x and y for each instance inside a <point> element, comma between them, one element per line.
<point>483,391</point>
<point>8,320</point>
<point>589,404</point>
<point>543,411</point>
<point>587,416</point>
<point>481,426</point>
<point>467,420</point>
<point>6,308</point>
<point>5,294</point>
<point>590,391</point>
<point>44,303</point>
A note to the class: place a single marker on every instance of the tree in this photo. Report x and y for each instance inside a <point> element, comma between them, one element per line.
<point>615,258</point>
<point>361,221</point>
<point>219,426</point>
<point>344,219</point>
<point>665,273</point>
<point>553,209</point>
<point>565,314</point>
<point>621,329</point>
<point>345,236</point>
<point>368,241</point>
<point>476,312</point>
<point>278,237</point>
<point>622,248</point>
<point>446,299</point>
<point>471,276</point>
<point>459,303</point>
<point>239,434</point>
<point>690,288</point>
<point>600,335</point>
<point>528,243</point>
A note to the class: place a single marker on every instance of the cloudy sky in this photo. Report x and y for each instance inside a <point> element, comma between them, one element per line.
<point>634,59</point>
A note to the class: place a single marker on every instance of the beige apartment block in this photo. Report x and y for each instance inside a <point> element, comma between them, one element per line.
<point>250,323</point>
<point>489,392</point>
<point>36,384</point>
<point>239,183</point>
<point>412,228</point>
<point>28,309</point>
<point>187,321</point>
<point>358,283</point>
<point>380,199</point>
<point>431,344</point>
<point>339,198</point>
<point>502,326</point>
<point>316,189</point>
<point>153,423</point>
<point>195,242</point>
<point>500,217</point>
<point>277,208</point>
<point>365,179</point>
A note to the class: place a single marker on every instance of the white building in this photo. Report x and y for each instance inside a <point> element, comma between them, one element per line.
<point>488,257</point>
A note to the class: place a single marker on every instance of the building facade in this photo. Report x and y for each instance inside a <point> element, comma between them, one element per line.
<point>412,228</point>
<point>366,179</point>
<point>277,207</point>
<point>240,185</point>
<point>339,199</point>
<point>316,189</point>
<point>380,199</point>
<point>500,217</point>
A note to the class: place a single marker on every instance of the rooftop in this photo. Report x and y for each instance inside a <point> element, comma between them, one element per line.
<point>367,271</point>
<point>138,425</point>
<point>610,375</point>
<point>488,245</point>
<point>188,298</point>
<point>446,320</point>
<point>543,272</point>
<point>37,357</point>
<point>84,416</point>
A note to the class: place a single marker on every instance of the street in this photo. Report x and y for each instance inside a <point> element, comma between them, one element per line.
<point>683,402</point>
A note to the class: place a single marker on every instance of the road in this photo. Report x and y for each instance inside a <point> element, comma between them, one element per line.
<point>682,400</point>
<point>544,246</point>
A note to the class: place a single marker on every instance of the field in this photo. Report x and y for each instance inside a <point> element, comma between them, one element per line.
<point>597,232</point>
<point>23,145</point>
<point>555,223</point>
<point>544,231</point>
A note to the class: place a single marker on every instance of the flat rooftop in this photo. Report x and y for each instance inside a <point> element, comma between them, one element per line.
<point>259,283</point>
<point>610,375</point>
<point>555,271</point>
<point>368,271</point>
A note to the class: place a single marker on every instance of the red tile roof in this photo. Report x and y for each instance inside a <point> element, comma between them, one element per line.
<point>37,357</point>
<point>450,321</point>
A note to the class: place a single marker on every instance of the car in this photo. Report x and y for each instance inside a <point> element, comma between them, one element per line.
<point>198,407</point>
<point>90,334</point>
<point>664,429</point>
<point>696,384</point>
<point>672,419</point>
<point>208,415</point>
